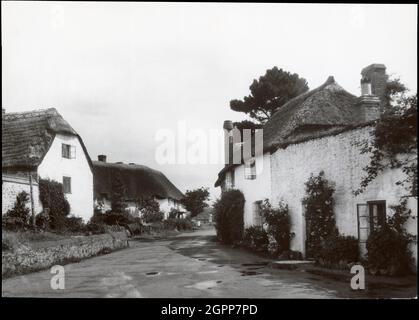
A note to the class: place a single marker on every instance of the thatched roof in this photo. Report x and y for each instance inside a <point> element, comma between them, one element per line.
<point>27,137</point>
<point>323,111</point>
<point>139,181</point>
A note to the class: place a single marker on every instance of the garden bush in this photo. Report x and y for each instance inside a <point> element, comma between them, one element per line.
<point>228,212</point>
<point>338,251</point>
<point>52,198</point>
<point>118,218</point>
<point>153,217</point>
<point>75,224</point>
<point>388,252</point>
<point>320,217</point>
<point>278,227</point>
<point>18,218</point>
<point>256,238</point>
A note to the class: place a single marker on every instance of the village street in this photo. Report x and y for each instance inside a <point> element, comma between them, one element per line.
<point>190,265</point>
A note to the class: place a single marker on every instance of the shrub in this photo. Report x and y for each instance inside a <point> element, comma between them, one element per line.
<point>75,224</point>
<point>152,217</point>
<point>278,227</point>
<point>150,210</point>
<point>228,212</point>
<point>118,218</point>
<point>42,221</point>
<point>319,213</point>
<point>388,252</point>
<point>255,237</point>
<point>178,223</point>
<point>18,218</point>
<point>53,199</point>
<point>338,251</point>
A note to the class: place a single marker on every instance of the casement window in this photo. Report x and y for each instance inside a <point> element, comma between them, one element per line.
<point>68,151</point>
<point>371,215</point>
<point>250,169</point>
<point>67,184</point>
<point>257,213</point>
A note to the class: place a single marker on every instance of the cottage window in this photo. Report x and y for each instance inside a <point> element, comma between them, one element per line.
<point>67,184</point>
<point>250,170</point>
<point>257,213</point>
<point>68,151</point>
<point>371,215</point>
<point>377,213</point>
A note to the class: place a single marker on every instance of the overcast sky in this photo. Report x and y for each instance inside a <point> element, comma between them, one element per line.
<point>118,72</point>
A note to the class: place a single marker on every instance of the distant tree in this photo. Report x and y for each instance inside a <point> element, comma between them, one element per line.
<point>195,200</point>
<point>118,195</point>
<point>269,93</point>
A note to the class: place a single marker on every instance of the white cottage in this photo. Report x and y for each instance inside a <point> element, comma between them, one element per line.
<point>318,131</point>
<point>138,181</point>
<point>41,144</point>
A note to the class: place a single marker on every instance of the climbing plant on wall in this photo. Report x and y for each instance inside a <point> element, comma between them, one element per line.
<point>320,219</point>
<point>393,142</point>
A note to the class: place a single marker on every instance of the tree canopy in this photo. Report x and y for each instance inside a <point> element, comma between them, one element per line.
<point>269,93</point>
<point>196,200</point>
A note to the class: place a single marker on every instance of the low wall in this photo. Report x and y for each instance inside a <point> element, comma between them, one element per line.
<point>38,256</point>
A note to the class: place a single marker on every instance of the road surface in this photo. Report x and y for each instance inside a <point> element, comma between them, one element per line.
<point>190,265</point>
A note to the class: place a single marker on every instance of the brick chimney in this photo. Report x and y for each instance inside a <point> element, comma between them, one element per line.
<point>376,73</point>
<point>373,86</point>
<point>101,158</point>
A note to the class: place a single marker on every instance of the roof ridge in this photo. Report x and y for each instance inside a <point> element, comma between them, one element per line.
<point>30,114</point>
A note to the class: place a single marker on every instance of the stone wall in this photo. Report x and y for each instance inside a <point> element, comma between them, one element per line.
<point>12,185</point>
<point>42,255</point>
<point>339,157</point>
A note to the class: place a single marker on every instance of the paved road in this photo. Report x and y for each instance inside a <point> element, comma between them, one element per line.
<point>187,266</point>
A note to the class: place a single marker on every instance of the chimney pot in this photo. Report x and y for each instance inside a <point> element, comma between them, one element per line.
<point>228,125</point>
<point>101,158</point>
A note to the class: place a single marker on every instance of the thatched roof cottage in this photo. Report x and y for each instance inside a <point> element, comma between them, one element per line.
<point>320,130</point>
<point>139,182</point>
<point>41,144</point>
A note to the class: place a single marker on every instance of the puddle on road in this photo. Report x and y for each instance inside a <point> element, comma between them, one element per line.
<point>249,273</point>
<point>153,273</point>
<point>205,285</point>
<point>210,271</point>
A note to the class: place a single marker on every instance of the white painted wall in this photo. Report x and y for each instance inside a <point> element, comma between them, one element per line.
<point>254,190</point>
<point>342,163</point>
<point>166,206</point>
<point>54,167</point>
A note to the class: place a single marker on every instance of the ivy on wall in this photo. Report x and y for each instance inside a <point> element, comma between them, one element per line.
<point>393,142</point>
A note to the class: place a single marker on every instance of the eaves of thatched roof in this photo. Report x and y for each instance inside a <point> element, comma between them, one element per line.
<point>27,137</point>
<point>139,181</point>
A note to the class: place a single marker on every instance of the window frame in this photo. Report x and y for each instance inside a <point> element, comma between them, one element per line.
<point>68,179</point>
<point>68,151</point>
<point>381,218</point>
